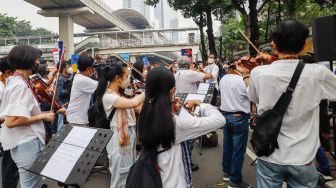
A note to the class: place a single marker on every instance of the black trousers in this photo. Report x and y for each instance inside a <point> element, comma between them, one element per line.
<point>10,174</point>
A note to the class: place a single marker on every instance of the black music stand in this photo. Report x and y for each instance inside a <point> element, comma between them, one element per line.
<point>84,164</point>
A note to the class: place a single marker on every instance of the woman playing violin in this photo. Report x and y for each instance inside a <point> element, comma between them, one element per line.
<point>23,132</point>
<point>112,79</point>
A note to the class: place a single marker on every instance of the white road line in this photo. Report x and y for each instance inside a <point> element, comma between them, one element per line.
<point>250,154</point>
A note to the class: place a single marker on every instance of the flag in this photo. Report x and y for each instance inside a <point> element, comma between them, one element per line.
<point>60,49</point>
<point>56,55</point>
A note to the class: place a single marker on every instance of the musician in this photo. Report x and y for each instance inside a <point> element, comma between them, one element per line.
<point>235,106</point>
<point>9,170</point>
<point>186,82</point>
<point>187,78</point>
<point>81,92</point>
<point>299,134</point>
<point>121,149</point>
<point>212,69</point>
<point>44,73</point>
<point>23,131</point>
<point>136,78</point>
<point>159,128</point>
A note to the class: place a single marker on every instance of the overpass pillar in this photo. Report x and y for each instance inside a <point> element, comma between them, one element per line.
<point>66,34</point>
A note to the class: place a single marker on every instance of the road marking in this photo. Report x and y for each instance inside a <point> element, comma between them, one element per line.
<point>250,154</point>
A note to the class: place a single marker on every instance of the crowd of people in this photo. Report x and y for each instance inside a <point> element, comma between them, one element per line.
<point>148,120</point>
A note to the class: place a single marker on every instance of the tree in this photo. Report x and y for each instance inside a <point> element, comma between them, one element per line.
<point>250,19</point>
<point>7,26</point>
<point>201,11</point>
<point>11,27</point>
<point>302,10</point>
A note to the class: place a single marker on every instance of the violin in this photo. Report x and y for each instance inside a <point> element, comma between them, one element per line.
<point>42,89</point>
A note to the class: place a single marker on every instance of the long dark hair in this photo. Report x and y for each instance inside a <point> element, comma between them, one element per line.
<point>139,65</point>
<point>156,125</point>
<point>105,75</point>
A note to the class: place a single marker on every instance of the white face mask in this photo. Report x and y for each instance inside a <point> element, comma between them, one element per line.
<point>145,73</point>
<point>211,60</point>
<point>69,70</point>
<point>126,83</point>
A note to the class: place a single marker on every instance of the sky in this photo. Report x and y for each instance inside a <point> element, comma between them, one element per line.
<point>25,11</point>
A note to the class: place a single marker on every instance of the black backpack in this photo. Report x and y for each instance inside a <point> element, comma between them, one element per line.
<point>96,120</point>
<point>265,134</point>
<point>145,172</point>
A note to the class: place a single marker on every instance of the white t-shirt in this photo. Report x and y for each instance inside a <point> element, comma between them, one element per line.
<point>109,99</point>
<point>170,162</point>
<point>214,71</point>
<point>299,134</point>
<point>81,92</point>
<point>18,100</point>
<point>234,94</point>
<point>186,80</point>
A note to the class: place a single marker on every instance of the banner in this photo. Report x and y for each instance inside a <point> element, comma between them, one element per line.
<point>74,60</point>
<point>125,56</point>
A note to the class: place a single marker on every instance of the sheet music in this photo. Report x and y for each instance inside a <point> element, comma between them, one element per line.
<point>203,88</point>
<point>80,136</point>
<point>62,161</point>
<point>184,112</point>
<point>67,154</point>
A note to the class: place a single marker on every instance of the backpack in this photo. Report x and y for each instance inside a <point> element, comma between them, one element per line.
<point>96,120</point>
<point>264,138</point>
<point>210,139</point>
<point>145,172</point>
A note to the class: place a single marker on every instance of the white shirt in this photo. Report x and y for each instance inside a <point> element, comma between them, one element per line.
<point>186,80</point>
<point>81,91</point>
<point>213,70</point>
<point>108,100</point>
<point>18,100</point>
<point>170,161</point>
<point>299,134</point>
<point>233,92</point>
<point>2,89</point>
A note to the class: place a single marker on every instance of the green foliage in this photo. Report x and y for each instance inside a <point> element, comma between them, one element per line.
<point>232,39</point>
<point>302,10</point>
<point>11,27</point>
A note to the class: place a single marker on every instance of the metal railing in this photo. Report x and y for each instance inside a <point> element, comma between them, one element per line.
<point>148,42</point>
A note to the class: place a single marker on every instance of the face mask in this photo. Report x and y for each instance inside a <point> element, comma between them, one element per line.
<point>210,60</point>
<point>145,73</point>
<point>125,83</point>
<point>35,69</point>
<point>69,71</point>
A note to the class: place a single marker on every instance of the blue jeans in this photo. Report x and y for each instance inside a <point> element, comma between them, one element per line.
<point>234,145</point>
<point>322,159</point>
<point>24,155</point>
<point>273,175</point>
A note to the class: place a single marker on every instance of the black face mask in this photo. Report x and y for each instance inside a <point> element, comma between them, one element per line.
<point>35,69</point>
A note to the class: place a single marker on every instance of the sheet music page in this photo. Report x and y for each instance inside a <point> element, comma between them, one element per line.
<point>62,161</point>
<point>203,88</point>
<point>67,154</point>
<point>80,136</point>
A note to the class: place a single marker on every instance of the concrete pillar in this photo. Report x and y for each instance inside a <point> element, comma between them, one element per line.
<point>66,33</point>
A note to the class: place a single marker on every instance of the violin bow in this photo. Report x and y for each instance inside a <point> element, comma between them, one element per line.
<point>57,79</point>
<point>249,41</point>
